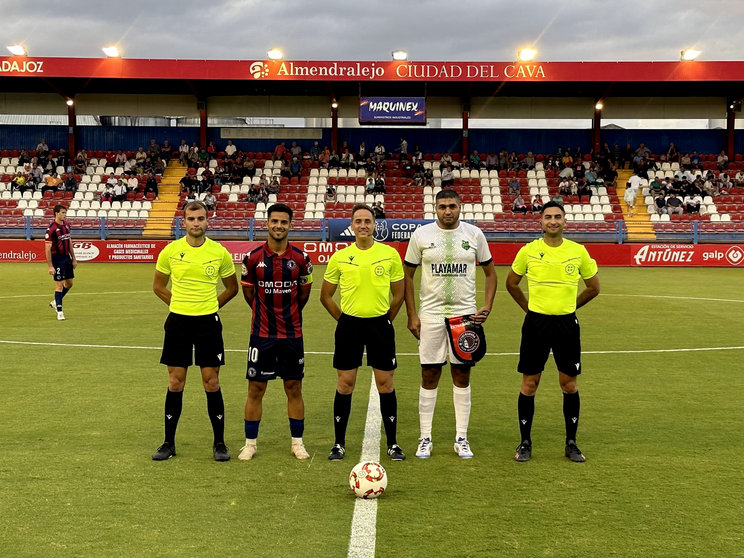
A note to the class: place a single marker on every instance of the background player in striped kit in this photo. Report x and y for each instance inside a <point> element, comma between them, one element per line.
<point>60,257</point>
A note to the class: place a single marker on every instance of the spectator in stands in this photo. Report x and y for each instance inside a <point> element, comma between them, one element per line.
<point>537,204</point>
<point>557,198</point>
<point>203,156</point>
<point>445,160</point>
<point>284,170</point>
<point>380,184</point>
<point>273,187</point>
<point>63,159</point>
<point>42,149</point>
<point>36,175</point>
<point>379,152</point>
<point>519,206</point>
<point>514,161</point>
<point>263,194</point>
<point>429,177</point>
<point>418,158</point>
<point>474,161</point>
<point>655,187</point>
<point>295,150</point>
<point>279,151</point>
<point>81,162</point>
<point>334,161</point>
<point>140,157</point>
<point>347,160</point>
<point>417,179</point>
<point>158,166</point>
<point>324,158</point>
<point>739,178</point>
<point>659,206</point>
<point>132,183</point>
<point>120,191</point>
<point>187,183</point>
<point>210,201</point>
<point>448,178</point>
<point>119,158</point>
<point>315,151</point>
<point>583,189</point>
<point>252,195</point>
<point>578,155</point>
<point>567,159</point>
<point>51,183</point>
<point>23,157</point>
<point>212,150</point>
<point>672,154</point>
<point>107,195</point>
<point>695,160</point>
<point>369,187</point>
<point>643,151</point>
<point>295,166</point>
<point>722,161</point>
<point>591,178</point>
<point>514,186</point>
<point>674,205</point>
<point>165,151</point>
<point>112,180</point>
<point>616,155</point>
<point>263,182</point>
<point>207,180</point>
<point>71,183</point>
<point>153,151</point>
<point>492,161</point>
<point>378,210</point>
<point>503,160</point>
<point>631,191</point>
<point>692,203</point>
<point>564,187</point>
<point>190,197</point>
<point>529,161</point>
<point>330,194</point>
<point>151,186</point>
<point>626,156</point>
<point>605,151</point>
<point>183,152</point>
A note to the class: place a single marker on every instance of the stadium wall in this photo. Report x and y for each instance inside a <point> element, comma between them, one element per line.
<point>624,255</point>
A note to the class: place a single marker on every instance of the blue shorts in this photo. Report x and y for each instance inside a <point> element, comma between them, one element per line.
<point>269,358</point>
<point>62,264</point>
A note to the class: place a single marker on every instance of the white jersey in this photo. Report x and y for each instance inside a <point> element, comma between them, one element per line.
<point>448,261</point>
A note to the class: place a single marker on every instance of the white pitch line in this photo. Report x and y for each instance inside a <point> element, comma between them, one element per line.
<point>364,522</point>
<point>76,293</point>
<point>327,353</point>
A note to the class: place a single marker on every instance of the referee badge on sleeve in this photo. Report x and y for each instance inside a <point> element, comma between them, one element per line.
<point>467,338</point>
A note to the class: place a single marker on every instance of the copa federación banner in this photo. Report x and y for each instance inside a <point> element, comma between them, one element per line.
<point>386,230</point>
<point>392,110</point>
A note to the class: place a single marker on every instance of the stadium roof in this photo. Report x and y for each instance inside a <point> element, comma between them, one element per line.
<point>206,78</point>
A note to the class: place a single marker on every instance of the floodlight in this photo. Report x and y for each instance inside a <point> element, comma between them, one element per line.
<point>112,51</point>
<point>689,54</point>
<point>69,102</point>
<point>275,54</point>
<point>527,54</point>
<point>17,50</point>
<point>334,105</point>
<point>400,55</point>
<point>599,105</point>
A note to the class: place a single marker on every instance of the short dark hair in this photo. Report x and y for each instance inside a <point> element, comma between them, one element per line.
<point>279,208</point>
<point>448,193</point>
<point>195,205</point>
<point>360,207</point>
<point>550,204</point>
<point>59,207</point>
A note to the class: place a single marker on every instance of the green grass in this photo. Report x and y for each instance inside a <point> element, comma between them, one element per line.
<point>661,431</point>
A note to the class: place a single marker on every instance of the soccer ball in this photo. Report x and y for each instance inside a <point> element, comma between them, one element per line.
<point>368,479</point>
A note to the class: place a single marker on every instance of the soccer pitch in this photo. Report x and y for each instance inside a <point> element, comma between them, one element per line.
<point>81,413</point>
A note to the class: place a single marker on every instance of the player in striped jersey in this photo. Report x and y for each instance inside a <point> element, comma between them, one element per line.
<point>60,258</point>
<point>276,279</point>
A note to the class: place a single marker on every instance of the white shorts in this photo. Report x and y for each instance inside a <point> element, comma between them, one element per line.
<point>435,348</point>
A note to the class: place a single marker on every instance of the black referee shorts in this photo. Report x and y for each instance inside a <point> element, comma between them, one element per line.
<point>354,334</point>
<point>197,335</point>
<point>542,333</point>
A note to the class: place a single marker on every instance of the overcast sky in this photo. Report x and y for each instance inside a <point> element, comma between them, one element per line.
<point>438,30</point>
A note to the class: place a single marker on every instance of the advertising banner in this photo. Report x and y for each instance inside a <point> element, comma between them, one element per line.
<point>396,233</point>
<point>392,110</point>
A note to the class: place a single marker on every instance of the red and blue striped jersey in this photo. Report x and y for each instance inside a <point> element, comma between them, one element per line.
<point>276,280</point>
<point>59,236</point>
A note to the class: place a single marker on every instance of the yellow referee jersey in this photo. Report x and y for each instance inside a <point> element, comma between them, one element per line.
<point>364,278</point>
<point>553,274</point>
<point>194,272</point>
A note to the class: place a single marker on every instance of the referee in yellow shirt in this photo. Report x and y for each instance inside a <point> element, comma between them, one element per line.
<point>194,264</point>
<point>553,266</point>
<point>366,272</point>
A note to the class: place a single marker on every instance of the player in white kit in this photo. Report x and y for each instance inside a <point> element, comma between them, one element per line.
<point>448,252</point>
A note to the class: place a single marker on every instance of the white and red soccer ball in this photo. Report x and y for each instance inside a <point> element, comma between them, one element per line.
<point>368,479</point>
